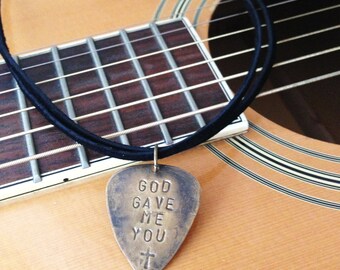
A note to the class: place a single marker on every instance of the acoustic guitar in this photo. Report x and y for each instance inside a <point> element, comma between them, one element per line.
<point>139,72</point>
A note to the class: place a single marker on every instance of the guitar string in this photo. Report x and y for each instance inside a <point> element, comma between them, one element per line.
<point>141,39</point>
<point>5,91</point>
<point>190,66</point>
<point>117,63</point>
<point>247,92</point>
<point>181,90</point>
<point>270,91</point>
<point>74,146</point>
<point>167,32</point>
<point>152,36</point>
<point>178,47</point>
<point>129,59</point>
<point>121,44</point>
<point>112,135</point>
<point>147,37</point>
<point>190,88</point>
<point>298,84</point>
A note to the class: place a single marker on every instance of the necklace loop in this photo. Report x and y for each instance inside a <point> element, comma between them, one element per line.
<point>155,159</point>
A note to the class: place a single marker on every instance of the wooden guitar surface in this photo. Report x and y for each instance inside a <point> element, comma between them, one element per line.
<point>269,198</point>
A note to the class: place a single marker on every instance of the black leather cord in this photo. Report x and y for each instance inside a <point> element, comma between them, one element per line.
<point>248,90</point>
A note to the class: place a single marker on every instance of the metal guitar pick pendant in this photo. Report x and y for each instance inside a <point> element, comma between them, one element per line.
<point>152,210</point>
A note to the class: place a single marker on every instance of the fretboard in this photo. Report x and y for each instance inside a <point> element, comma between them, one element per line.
<point>154,84</point>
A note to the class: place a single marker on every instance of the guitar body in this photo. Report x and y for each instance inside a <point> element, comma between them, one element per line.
<point>266,201</point>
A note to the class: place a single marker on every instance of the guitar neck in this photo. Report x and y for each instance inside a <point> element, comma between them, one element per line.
<point>153,84</point>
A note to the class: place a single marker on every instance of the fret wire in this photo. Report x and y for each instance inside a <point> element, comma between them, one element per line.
<point>34,166</point>
<point>108,94</point>
<point>178,74</point>
<point>164,95</point>
<point>146,87</point>
<point>190,88</point>
<point>115,134</point>
<point>68,103</point>
<point>171,31</point>
<point>180,68</point>
<point>74,146</point>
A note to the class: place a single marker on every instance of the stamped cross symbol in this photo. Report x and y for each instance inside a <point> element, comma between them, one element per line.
<point>148,256</point>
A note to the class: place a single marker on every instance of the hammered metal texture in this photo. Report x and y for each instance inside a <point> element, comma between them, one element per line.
<point>152,212</point>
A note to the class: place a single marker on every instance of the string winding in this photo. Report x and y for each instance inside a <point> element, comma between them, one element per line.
<point>247,92</point>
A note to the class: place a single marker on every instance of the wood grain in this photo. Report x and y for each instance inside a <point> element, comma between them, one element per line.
<point>242,224</point>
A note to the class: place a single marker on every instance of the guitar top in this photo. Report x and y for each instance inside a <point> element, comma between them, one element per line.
<point>269,196</point>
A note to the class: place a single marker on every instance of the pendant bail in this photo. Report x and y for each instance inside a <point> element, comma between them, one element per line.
<point>155,159</point>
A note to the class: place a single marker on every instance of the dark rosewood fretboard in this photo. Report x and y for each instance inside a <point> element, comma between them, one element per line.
<point>103,73</point>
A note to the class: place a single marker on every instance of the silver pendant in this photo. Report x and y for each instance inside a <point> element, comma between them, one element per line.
<point>152,209</point>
